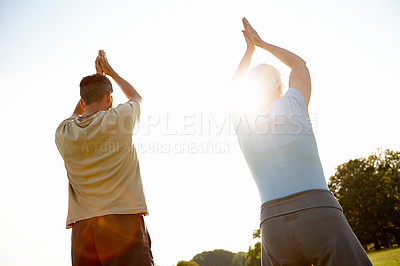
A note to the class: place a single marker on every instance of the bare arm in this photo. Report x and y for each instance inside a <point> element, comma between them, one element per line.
<point>299,76</point>
<point>237,81</point>
<point>241,71</point>
<point>125,86</point>
<point>79,109</point>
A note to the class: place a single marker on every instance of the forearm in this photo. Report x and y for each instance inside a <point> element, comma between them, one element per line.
<point>241,71</point>
<point>236,88</point>
<point>288,58</point>
<point>299,77</point>
<point>126,87</point>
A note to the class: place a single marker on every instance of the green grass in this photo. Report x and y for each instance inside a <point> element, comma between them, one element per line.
<point>385,257</point>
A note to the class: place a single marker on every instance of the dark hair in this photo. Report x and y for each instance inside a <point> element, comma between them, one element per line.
<point>94,87</point>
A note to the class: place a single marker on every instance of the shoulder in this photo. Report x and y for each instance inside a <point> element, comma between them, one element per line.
<point>123,111</point>
<point>128,106</point>
<point>296,99</point>
<point>65,123</point>
<point>63,131</point>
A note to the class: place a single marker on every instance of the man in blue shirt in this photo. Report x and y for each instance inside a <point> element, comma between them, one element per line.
<point>301,221</point>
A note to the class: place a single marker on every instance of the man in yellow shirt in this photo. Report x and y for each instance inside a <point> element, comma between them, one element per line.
<point>106,198</point>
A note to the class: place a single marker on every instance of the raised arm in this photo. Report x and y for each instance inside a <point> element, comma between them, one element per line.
<point>241,71</point>
<point>237,91</point>
<point>79,110</point>
<point>299,76</point>
<point>125,86</point>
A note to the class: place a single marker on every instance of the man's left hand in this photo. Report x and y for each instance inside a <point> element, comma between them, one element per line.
<point>99,70</point>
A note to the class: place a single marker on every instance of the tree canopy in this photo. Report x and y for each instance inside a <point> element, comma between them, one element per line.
<point>369,191</point>
<point>187,263</point>
<point>218,257</point>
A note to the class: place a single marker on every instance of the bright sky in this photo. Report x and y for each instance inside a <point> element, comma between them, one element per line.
<point>181,55</point>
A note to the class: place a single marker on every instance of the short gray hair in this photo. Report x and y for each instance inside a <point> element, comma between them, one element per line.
<point>268,76</point>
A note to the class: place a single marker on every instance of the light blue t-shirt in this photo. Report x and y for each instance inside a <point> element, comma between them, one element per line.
<point>280,148</point>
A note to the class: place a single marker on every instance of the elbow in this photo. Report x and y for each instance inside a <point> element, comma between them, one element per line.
<point>136,98</point>
<point>139,98</point>
<point>299,64</point>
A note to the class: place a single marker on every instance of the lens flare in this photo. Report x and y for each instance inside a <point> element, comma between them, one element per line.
<point>247,96</point>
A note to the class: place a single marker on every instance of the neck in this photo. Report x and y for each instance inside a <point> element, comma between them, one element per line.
<point>94,108</point>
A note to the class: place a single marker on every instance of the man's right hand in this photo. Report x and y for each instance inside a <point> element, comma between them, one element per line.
<point>251,33</point>
<point>125,86</point>
<point>250,44</point>
<point>105,66</point>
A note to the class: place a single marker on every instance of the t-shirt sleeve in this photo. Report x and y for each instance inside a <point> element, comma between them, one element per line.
<point>61,132</point>
<point>128,114</point>
<point>296,100</point>
<point>130,107</point>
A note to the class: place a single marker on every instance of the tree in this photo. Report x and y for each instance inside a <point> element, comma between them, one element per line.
<point>253,256</point>
<point>239,259</point>
<point>187,263</point>
<point>220,257</point>
<point>368,190</point>
<point>217,257</point>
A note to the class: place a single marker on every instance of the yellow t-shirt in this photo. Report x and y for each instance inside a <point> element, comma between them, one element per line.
<point>101,163</point>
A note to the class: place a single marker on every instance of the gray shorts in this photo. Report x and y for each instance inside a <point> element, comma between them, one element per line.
<point>314,236</point>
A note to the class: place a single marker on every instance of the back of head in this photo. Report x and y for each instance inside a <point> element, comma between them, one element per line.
<point>267,77</point>
<point>94,87</point>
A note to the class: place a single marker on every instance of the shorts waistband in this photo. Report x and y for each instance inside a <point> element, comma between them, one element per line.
<point>316,198</point>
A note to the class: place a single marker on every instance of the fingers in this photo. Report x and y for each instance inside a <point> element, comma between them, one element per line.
<point>103,55</point>
<point>246,35</point>
<point>249,42</point>
<point>247,25</point>
<point>250,33</point>
<point>99,69</point>
<point>102,62</point>
<point>104,66</point>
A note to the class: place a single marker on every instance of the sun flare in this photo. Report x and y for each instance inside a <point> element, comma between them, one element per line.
<point>247,96</point>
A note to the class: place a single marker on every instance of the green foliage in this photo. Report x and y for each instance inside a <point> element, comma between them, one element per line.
<point>239,259</point>
<point>369,191</point>
<point>187,263</point>
<point>253,256</point>
<point>257,234</point>
<point>218,257</point>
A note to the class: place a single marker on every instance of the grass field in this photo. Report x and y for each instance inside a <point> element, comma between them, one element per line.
<point>386,257</point>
